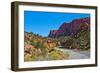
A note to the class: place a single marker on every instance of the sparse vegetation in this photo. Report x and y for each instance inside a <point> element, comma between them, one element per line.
<point>38,48</point>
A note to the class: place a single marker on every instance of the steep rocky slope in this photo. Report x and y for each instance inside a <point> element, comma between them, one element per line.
<point>71,28</point>
<point>38,48</point>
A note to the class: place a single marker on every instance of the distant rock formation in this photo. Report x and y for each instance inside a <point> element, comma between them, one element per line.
<point>71,28</point>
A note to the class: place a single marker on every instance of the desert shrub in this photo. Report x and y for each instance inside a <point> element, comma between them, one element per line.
<point>67,43</point>
<point>74,45</point>
<point>54,55</point>
<point>58,55</point>
<point>30,57</point>
<point>84,40</point>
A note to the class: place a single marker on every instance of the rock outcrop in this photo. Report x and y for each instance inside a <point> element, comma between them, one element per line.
<point>71,28</point>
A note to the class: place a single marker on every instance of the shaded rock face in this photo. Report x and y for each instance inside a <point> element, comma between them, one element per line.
<point>71,28</point>
<point>52,33</point>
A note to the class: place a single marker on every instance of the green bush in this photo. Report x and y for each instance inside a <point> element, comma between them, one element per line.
<point>58,55</point>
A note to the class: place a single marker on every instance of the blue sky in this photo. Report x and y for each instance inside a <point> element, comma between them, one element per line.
<point>42,22</point>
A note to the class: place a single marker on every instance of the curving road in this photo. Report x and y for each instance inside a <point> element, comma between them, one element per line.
<point>76,54</point>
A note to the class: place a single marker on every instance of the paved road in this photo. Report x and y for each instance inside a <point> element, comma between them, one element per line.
<point>74,54</point>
